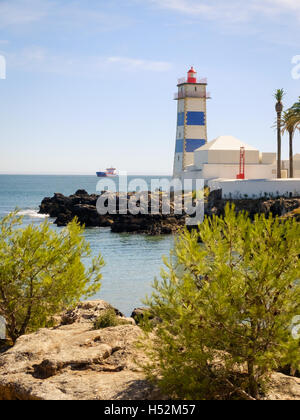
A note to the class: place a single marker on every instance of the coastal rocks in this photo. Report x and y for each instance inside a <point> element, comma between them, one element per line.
<point>150,224</point>
<point>278,207</point>
<point>88,311</point>
<point>75,362</point>
<point>143,212</point>
<point>121,219</point>
<point>138,315</point>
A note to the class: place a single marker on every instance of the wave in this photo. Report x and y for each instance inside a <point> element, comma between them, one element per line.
<point>32,214</point>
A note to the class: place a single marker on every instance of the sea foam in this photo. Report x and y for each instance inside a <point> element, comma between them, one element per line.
<point>32,214</point>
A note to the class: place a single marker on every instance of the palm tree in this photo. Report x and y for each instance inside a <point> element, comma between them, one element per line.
<point>289,124</point>
<point>296,109</point>
<point>279,94</point>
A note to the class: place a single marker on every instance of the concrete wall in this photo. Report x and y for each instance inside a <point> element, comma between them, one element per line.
<point>181,105</point>
<point>231,171</point>
<point>297,165</point>
<point>190,89</point>
<point>232,156</point>
<point>225,157</point>
<point>268,158</point>
<point>180,132</point>
<point>200,158</point>
<point>256,188</point>
<point>177,165</point>
<point>189,159</point>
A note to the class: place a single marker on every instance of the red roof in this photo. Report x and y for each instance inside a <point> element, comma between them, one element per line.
<point>192,70</point>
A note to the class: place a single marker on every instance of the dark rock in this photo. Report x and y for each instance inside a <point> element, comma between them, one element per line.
<point>278,207</point>
<point>81,192</point>
<point>139,315</point>
<point>83,206</point>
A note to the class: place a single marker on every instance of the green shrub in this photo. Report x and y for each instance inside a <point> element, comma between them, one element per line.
<point>42,273</point>
<point>109,318</point>
<point>226,308</point>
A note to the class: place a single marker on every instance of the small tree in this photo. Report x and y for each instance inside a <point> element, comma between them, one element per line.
<point>42,273</point>
<point>226,306</point>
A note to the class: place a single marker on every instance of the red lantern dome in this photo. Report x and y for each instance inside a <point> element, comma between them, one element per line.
<point>192,76</point>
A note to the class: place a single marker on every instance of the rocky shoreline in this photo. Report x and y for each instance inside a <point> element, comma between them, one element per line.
<point>84,206</point>
<point>280,207</point>
<point>73,361</point>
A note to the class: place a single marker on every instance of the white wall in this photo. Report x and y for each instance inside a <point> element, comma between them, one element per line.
<point>180,132</point>
<point>200,158</point>
<point>268,158</point>
<point>231,171</point>
<point>177,165</point>
<point>181,105</point>
<point>190,89</point>
<point>232,156</point>
<point>256,188</point>
<point>189,159</point>
<point>297,165</point>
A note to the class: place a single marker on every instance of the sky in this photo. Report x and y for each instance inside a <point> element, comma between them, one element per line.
<point>90,84</point>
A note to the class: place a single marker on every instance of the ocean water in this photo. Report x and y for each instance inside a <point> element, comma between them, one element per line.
<point>132,261</point>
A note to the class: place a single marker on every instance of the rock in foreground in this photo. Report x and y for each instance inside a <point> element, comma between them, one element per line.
<point>75,362</point>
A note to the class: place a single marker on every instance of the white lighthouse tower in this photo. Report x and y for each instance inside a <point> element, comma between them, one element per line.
<point>191,120</point>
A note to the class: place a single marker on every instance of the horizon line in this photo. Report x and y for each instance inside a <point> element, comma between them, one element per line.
<point>79,174</point>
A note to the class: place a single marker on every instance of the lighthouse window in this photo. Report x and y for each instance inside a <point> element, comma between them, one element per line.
<point>195,88</point>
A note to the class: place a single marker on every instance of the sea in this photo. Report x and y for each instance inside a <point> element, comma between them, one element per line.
<point>132,261</point>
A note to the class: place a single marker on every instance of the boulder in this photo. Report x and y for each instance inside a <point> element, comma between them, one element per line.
<point>75,362</point>
<point>139,313</point>
<point>283,387</point>
<point>88,311</point>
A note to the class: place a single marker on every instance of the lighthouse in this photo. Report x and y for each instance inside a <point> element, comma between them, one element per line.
<point>191,132</point>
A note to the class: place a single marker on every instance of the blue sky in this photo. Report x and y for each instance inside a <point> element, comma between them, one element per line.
<point>90,83</point>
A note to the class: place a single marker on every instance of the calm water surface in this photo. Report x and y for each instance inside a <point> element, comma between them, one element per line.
<point>132,261</point>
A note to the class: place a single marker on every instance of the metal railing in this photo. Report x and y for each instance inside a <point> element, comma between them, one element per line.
<point>198,80</point>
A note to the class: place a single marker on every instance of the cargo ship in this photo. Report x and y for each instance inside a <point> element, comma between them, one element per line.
<point>110,172</point>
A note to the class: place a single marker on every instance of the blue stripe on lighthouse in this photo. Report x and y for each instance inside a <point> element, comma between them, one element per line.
<point>195,118</point>
<point>193,144</point>
<point>180,120</point>
<point>179,146</point>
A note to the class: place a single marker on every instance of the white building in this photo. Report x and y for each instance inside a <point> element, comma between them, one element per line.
<point>221,158</point>
<point>286,165</point>
<point>226,163</point>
